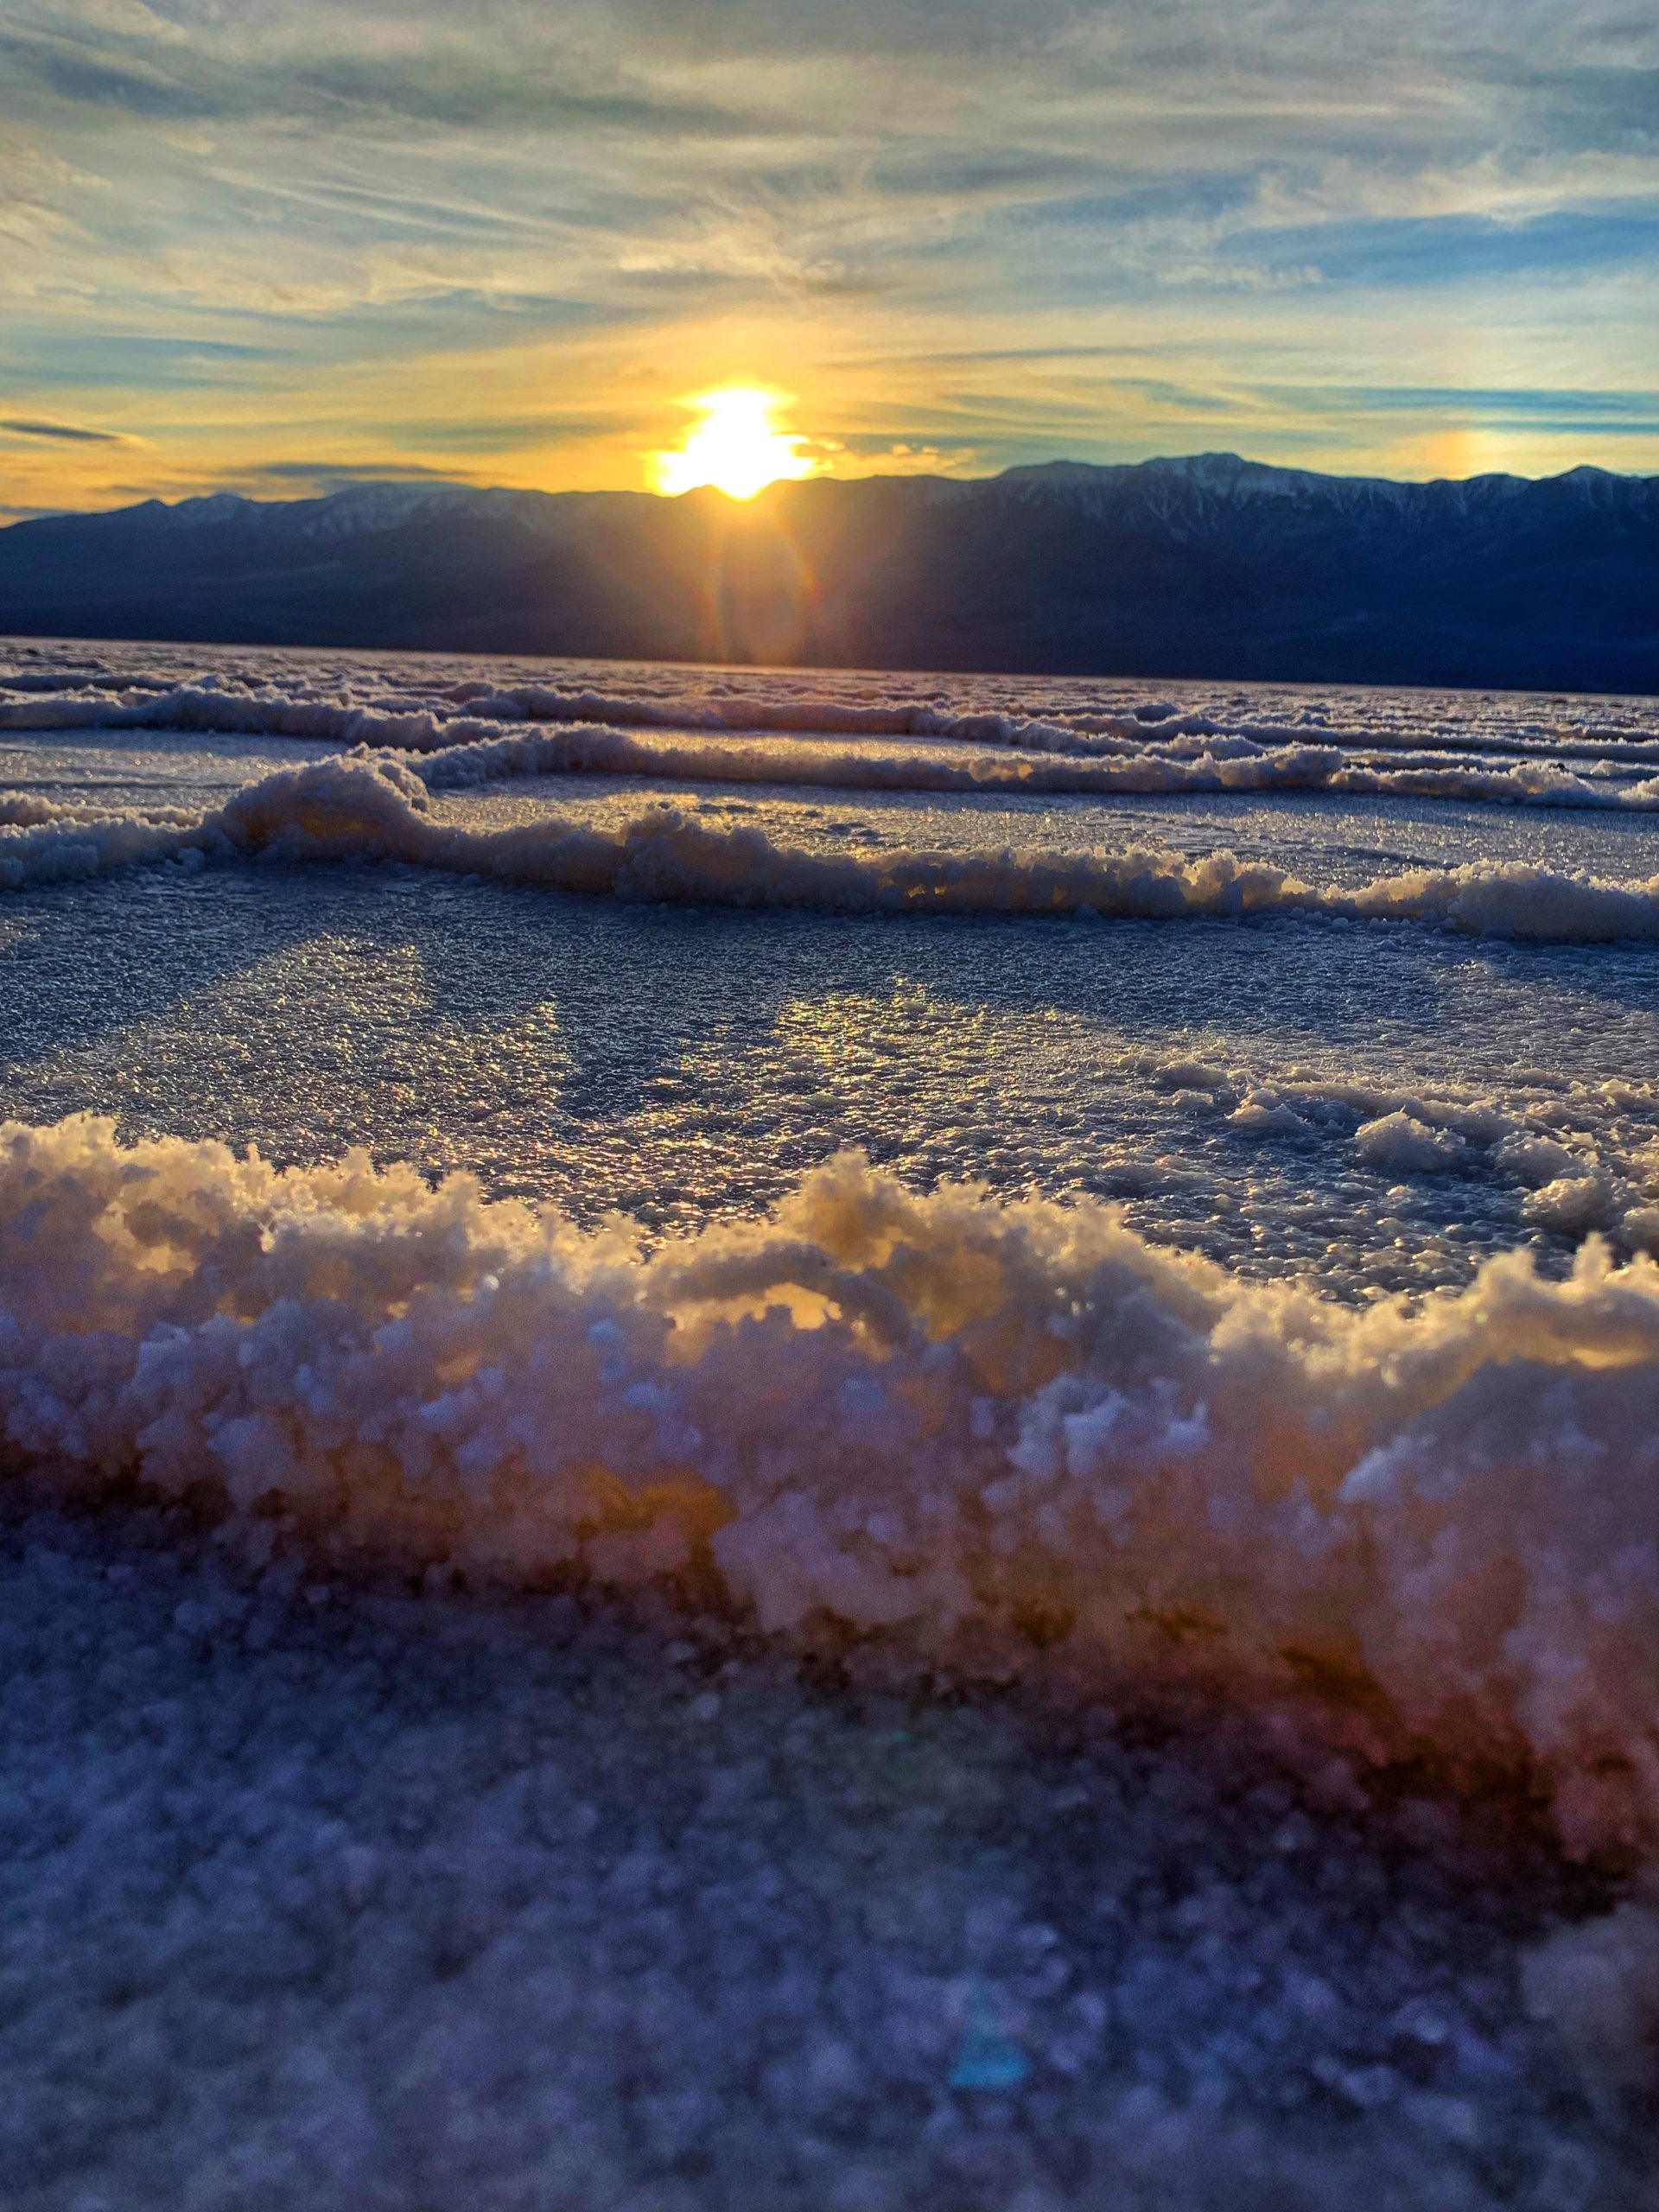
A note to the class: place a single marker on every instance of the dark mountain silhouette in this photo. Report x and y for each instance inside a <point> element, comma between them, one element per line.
<point>1211,566</point>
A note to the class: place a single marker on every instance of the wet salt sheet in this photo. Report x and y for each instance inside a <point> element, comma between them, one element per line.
<point>1024,1731</point>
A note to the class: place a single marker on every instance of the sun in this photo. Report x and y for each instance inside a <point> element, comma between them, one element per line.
<point>736,446</point>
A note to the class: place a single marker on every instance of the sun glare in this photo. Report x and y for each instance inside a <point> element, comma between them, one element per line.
<point>736,446</point>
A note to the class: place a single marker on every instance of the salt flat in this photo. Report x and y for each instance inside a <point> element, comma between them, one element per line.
<point>1057,1707</point>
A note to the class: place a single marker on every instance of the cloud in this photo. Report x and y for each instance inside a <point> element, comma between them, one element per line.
<point>356,217</point>
<point>448,79</point>
<point>68,433</point>
<point>1460,401</point>
<point>93,356</point>
<point>515,434</point>
<point>301,479</point>
<point>1462,249</point>
<point>340,475</point>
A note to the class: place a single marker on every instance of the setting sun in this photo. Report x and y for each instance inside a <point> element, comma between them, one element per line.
<point>735,447</point>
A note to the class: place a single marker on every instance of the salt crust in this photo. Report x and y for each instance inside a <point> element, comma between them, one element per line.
<point>1230,1146</point>
<point>1011,1440</point>
<point>1082,753</point>
<point>330,1897</point>
<point>1474,1535</point>
<point>365,808</point>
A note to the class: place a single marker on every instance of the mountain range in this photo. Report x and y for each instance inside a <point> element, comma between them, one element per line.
<point>1209,566</point>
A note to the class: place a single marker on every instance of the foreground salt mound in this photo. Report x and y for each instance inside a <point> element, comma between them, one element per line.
<point>1007,1438</point>
<point>361,807</point>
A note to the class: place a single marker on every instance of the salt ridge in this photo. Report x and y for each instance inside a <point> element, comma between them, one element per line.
<point>1011,1437</point>
<point>380,809</point>
<point>1154,750</point>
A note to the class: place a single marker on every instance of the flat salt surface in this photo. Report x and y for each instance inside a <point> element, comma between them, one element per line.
<point>327,1891</point>
<point>685,1064</point>
<point>169,768</point>
<point>1325,838</point>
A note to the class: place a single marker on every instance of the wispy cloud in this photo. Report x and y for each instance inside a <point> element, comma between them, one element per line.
<point>338,475</point>
<point>73,434</point>
<point>509,238</point>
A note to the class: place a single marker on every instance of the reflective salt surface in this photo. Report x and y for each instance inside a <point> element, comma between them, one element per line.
<point>680,1063</point>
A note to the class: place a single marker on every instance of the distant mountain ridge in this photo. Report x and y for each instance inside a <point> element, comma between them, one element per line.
<point>1207,566</point>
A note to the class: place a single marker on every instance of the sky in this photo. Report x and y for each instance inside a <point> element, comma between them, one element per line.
<point>281,246</point>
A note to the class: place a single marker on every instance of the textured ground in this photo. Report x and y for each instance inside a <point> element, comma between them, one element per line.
<point>324,1897</point>
<point>326,1886</point>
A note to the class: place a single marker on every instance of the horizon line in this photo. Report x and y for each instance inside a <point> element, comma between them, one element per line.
<point>403,480</point>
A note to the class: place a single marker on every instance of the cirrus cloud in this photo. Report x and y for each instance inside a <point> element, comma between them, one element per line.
<point>254,232</point>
